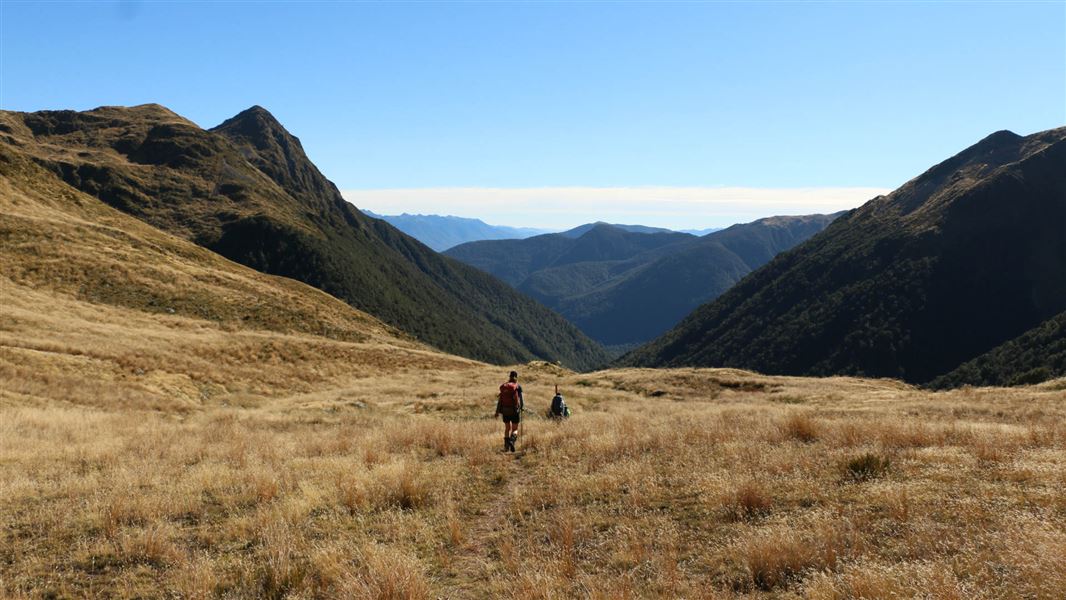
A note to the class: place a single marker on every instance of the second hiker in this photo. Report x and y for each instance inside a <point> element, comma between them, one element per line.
<point>558,409</point>
<point>509,405</point>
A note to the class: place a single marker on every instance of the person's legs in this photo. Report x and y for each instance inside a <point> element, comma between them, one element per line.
<point>510,432</point>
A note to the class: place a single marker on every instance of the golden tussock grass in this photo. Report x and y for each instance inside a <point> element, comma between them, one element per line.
<point>261,440</point>
<point>707,494</point>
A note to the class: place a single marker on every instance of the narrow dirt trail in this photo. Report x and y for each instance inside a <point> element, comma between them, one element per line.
<point>473,563</point>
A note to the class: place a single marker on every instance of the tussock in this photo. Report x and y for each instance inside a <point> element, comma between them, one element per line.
<point>265,441</point>
<point>310,496</point>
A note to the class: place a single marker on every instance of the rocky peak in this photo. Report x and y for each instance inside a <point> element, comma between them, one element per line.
<point>277,153</point>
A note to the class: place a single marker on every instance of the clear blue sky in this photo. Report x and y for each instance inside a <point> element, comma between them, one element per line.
<point>598,94</point>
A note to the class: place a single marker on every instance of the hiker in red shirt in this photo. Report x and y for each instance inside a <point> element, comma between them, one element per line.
<point>509,404</point>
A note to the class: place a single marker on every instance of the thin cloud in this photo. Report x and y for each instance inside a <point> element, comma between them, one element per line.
<point>560,207</point>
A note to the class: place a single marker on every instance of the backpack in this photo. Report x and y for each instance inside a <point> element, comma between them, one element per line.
<point>559,408</point>
<point>508,403</point>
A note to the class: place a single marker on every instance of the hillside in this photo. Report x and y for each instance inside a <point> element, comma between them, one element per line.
<point>247,191</point>
<point>624,287</point>
<point>390,484</point>
<point>1035,356</point>
<point>441,232</point>
<point>101,309</point>
<point>964,257</point>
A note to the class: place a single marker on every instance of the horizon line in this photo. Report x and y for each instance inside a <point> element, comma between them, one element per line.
<point>562,207</point>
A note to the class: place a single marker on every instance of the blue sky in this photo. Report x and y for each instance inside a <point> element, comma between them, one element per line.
<point>530,113</point>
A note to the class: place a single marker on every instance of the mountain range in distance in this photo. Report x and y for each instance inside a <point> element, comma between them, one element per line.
<point>623,285</point>
<point>246,190</point>
<point>581,230</point>
<point>442,232</point>
<point>958,276</point>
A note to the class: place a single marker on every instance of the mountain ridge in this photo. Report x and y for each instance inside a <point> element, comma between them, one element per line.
<point>961,258</point>
<point>623,287</point>
<point>246,190</point>
<point>581,230</point>
<point>441,232</point>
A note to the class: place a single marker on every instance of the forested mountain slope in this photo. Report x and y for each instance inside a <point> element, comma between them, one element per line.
<point>247,190</point>
<point>957,261</point>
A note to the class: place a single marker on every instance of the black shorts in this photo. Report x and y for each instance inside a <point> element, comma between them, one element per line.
<point>515,418</point>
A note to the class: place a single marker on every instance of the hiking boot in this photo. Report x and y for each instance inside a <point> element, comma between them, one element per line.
<point>506,443</point>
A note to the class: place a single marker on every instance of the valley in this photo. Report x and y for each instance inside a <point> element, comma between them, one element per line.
<point>625,285</point>
<point>748,300</point>
<point>173,424</point>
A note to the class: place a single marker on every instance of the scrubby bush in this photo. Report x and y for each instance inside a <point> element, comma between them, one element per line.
<point>866,467</point>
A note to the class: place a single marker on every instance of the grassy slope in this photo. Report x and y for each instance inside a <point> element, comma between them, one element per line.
<point>968,255</point>
<point>101,309</point>
<point>248,192</point>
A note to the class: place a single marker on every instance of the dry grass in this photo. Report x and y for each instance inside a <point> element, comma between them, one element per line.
<point>749,501</point>
<point>801,427</point>
<point>866,467</point>
<point>407,495</point>
<point>259,464</point>
<point>264,441</point>
<point>100,309</point>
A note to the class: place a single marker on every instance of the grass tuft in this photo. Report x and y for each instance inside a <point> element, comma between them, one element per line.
<point>801,427</point>
<point>867,466</point>
<point>748,501</point>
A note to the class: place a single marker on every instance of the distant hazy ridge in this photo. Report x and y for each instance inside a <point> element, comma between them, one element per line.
<point>441,232</point>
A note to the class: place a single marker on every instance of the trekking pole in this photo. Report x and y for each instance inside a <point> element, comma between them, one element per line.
<point>521,420</point>
<point>521,423</point>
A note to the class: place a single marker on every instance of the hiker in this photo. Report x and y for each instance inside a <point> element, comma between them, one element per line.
<point>558,409</point>
<point>509,405</point>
